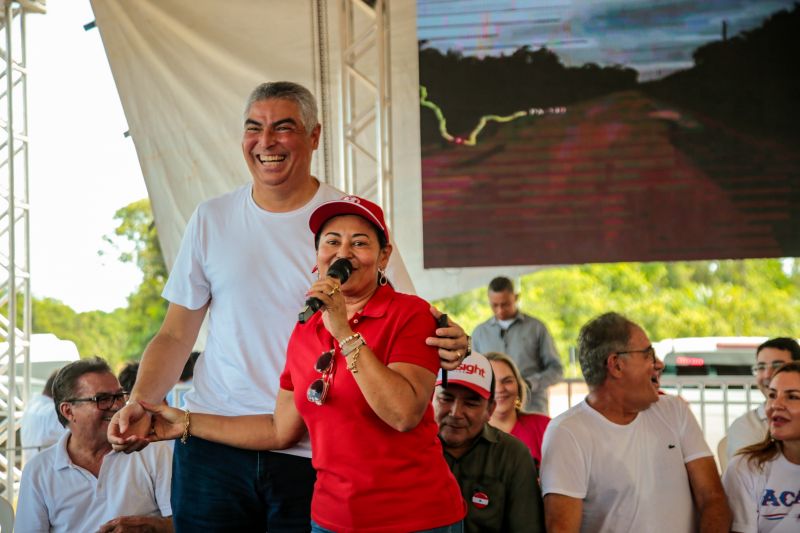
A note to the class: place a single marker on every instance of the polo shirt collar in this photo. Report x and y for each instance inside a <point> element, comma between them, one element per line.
<point>62,459</point>
<point>376,307</point>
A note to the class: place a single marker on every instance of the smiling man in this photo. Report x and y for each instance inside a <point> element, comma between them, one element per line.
<point>80,484</point>
<point>246,261</point>
<point>494,470</point>
<point>627,458</point>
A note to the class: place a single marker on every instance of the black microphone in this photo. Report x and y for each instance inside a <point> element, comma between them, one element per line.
<point>340,269</point>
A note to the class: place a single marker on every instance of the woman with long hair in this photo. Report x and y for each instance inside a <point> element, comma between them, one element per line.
<point>763,481</point>
<point>510,396</point>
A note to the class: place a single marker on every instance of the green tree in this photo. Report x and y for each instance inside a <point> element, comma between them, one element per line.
<point>678,299</point>
<point>136,239</point>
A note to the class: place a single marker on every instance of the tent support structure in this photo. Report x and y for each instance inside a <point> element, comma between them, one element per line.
<point>366,159</point>
<point>15,299</point>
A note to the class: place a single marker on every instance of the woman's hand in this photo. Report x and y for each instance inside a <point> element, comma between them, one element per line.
<point>168,422</point>
<point>334,314</point>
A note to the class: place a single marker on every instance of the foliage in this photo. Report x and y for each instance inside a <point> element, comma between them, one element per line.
<point>122,334</point>
<point>678,299</point>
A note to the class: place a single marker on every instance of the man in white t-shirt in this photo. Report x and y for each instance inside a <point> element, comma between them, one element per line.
<point>80,485</point>
<point>627,458</point>
<point>246,261</point>
<point>751,427</point>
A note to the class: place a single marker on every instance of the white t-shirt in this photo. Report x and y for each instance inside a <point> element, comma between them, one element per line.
<point>630,477</point>
<point>59,496</point>
<point>750,428</point>
<point>255,267</point>
<point>763,502</point>
<point>39,427</point>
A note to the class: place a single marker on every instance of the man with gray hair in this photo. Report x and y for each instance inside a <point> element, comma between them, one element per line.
<point>246,260</point>
<point>628,458</point>
<point>80,484</point>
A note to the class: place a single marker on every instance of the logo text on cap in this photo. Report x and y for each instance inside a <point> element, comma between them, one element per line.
<point>471,369</point>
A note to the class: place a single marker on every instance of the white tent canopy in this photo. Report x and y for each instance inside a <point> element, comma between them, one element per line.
<point>184,68</point>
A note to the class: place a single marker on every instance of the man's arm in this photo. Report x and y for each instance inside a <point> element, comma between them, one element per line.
<point>138,524</point>
<point>709,498</point>
<point>562,514</point>
<point>161,365</point>
<point>451,341</point>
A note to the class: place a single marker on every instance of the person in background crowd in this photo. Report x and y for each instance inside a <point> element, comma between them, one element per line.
<point>495,470</point>
<point>628,458</point>
<point>524,338</point>
<point>39,426</point>
<point>127,376</point>
<point>751,427</point>
<point>360,377</point>
<point>245,261</point>
<point>510,396</point>
<point>177,394</point>
<point>763,480</point>
<point>80,485</point>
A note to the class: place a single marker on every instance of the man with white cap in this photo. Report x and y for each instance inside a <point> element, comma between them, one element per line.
<point>494,470</point>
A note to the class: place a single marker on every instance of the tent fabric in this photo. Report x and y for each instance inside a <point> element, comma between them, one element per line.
<point>183,70</point>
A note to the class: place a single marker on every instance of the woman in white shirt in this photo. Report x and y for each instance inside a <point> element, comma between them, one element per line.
<point>763,481</point>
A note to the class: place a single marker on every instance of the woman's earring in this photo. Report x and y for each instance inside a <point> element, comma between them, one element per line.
<point>518,403</point>
<point>382,280</point>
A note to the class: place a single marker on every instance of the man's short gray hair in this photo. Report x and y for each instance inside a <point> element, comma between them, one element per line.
<point>607,333</point>
<point>287,90</point>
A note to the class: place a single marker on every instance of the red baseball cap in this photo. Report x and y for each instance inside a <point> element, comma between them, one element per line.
<point>348,205</point>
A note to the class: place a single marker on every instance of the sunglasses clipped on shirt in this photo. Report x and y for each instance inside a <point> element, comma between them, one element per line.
<point>318,390</point>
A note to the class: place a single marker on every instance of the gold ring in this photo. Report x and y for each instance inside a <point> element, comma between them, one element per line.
<point>333,291</point>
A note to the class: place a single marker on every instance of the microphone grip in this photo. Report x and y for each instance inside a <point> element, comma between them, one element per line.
<point>441,322</point>
<point>340,270</point>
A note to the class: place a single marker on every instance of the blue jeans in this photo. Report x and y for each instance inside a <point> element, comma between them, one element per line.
<point>458,527</point>
<point>218,488</point>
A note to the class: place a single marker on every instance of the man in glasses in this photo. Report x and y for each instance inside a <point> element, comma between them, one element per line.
<point>627,458</point>
<point>751,427</point>
<point>80,484</point>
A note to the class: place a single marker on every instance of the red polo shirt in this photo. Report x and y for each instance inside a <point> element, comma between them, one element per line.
<point>370,477</point>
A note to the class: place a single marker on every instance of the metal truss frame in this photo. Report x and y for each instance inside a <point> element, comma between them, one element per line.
<point>15,299</point>
<point>365,164</point>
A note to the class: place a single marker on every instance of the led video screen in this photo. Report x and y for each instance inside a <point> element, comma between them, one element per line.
<point>569,132</point>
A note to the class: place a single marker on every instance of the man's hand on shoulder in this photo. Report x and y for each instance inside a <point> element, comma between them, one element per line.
<point>129,428</point>
<point>452,342</point>
<point>137,524</point>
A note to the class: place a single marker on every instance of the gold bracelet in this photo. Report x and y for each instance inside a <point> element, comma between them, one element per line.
<point>352,366</point>
<point>351,344</point>
<point>186,422</point>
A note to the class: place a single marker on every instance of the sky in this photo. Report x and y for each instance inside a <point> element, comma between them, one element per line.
<point>656,37</point>
<point>82,168</point>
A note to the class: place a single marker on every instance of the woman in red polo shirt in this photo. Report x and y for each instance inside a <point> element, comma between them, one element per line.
<point>360,377</point>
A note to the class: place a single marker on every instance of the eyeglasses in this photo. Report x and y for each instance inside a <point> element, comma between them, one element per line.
<point>104,401</point>
<point>761,367</point>
<point>649,352</point>
<point>318,390</point>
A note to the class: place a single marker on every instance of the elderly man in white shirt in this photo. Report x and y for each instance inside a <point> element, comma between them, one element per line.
<point>81,484</point>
